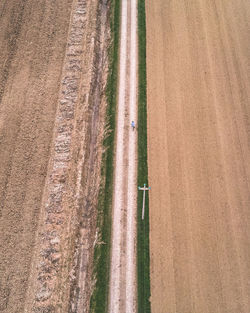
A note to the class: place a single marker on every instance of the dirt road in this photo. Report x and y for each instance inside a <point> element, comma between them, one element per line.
<point>198,56</point>
<point>123,257</point>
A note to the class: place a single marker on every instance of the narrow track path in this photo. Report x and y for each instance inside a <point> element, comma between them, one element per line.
<point>123,256</point>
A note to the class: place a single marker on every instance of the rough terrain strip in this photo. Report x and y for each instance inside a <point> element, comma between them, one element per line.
<point>60,279</point>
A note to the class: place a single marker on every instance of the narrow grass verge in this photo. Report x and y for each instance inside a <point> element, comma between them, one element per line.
<point>99,299</point>
<point>143,261</point>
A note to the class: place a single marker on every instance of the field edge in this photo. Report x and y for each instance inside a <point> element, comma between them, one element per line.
<point>143,256</point>
<point>99,298</point>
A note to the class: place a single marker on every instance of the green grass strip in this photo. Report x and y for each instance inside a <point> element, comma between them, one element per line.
<point>99,299</point>
<point>143,256</point>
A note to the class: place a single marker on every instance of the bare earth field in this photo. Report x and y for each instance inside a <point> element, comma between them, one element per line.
<point>198,58</point>
<point>53,67</point>
<point>32,41</point>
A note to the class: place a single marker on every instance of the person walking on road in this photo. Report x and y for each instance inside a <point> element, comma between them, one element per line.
<point>133,125</point>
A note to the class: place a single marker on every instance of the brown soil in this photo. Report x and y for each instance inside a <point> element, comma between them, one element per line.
<point>32,42</point>
<point>50,54</point>
<point>198,56</point>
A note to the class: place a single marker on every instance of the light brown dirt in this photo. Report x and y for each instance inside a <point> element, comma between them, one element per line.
<point>198,56</point>
<point>52,77</point>
<point>122,287</point>
<point>33,36</point>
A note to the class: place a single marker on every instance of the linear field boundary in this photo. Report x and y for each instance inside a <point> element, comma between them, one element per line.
<point>143,256</point>
<point>99,299</point>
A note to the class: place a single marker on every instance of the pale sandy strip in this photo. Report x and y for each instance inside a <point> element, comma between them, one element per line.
<point>131,195</point>
<point>114,294</point>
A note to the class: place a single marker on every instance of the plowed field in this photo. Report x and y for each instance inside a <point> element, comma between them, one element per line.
<point>53,69</point>
<point>198,57</point>
<point>33,36</point>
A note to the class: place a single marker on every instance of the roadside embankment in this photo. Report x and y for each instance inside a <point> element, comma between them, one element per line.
<point>99,299</point>
<point>143,256</point>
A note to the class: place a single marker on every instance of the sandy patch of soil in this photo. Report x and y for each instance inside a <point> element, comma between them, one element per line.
<point>198,128</point>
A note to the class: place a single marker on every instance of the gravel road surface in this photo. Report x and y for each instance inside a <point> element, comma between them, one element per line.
<point>123,258</point>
